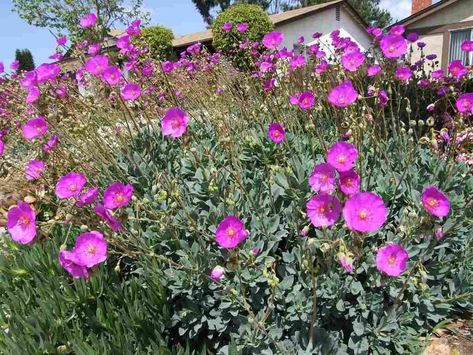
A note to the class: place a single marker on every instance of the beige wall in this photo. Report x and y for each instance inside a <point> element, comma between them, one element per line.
<point>460,11</point>
<point>434,43</point>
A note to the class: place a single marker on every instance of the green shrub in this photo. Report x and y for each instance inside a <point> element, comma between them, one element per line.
<point>158,40</point>
<point>257,20</point>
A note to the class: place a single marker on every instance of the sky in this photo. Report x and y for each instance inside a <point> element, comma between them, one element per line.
<point>178,15</point>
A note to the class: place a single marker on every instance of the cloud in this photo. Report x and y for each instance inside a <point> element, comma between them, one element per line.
<point>399,9</point>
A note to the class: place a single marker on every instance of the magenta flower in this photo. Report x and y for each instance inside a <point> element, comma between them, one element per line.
<point>117,195</point>
<point>167,66</point>
<point>352,61</point>
<point>349,182</point>
<point>435,202</point>
<point>94,49</point>
<point>130,91</point>
<point>276,132</point>
<point>35,128</point>
<point>174,122</point>
<point>227,26</point>
<point>67,261</point>
<point>61,41</point>
<point>230,232</point>
<point>50,144</point>
<point>346,262</point>
<point>457,69</point>
<point>30,79</point>
<point>439,233</point>
<point>217,273</point>
<point>365,212</point>
<point>90,249</point>
<point>323,210</point>
<point>464,103</point>
<point>33,170</point>
<point>107,217</point>
<point>306,100</point>
<point>46,72</point>
<point>96,65</point>
<point>242,27</point>
<point>294,99</point>
<point>397,30</point>
<point>70,185</point>
<point>33,94</point>
<point>374,70</point>
<point>392,259</point>
<point>297,61</point>
<point>403,73</point>
<point>2,147</point>
<point>342,95</point>
<point>88,20</point>
<point>467,46</point>
<point>88,197</point>
<point>322,178</point>
<point>273,39</point>
<point>393,46</point>
<point>21,223</point>
<point>342,156</point>
<point>123,42</point>
<point>112,75</point>
<point>2,67</point>
<point>15,65</point>
<point>412,37</point>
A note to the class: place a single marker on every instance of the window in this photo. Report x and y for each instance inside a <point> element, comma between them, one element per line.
<point>456,40</point>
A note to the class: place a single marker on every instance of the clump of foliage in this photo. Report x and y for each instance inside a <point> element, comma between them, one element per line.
<point>228,41</point>
<point>158,41</point>
<point>175,207</point>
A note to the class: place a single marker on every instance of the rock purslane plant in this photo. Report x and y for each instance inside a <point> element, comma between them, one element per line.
<point>318,203</point>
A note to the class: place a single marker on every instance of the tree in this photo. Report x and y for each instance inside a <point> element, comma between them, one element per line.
<point>369,10</point>
<point>25,59</point>
<point>206,6</point>
<point>63,15</point>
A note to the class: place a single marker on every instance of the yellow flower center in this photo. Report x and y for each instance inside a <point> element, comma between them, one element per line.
<point>72,187</point>
<point>231,232</point>
<point>432,202</point>
<point>119,197</point>
<point>391,260</point>
<point>276,134</point>
<point>91,249</point>
<point>363,214</point>
<point>391,49</point>
<point>348,182</point>
<point>175,123</point>
<point>322,209</point>
<point>24,221</point>
<point>341,158</point>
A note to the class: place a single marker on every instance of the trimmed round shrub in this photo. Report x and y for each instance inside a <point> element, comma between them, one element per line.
<point>258,25</point>
<point>158,40</point>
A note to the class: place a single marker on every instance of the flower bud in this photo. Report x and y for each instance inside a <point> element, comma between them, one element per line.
<point>217,273</point>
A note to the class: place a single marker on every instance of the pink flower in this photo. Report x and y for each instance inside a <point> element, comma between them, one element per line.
<point>294,99</point>
<point>412,37</point>
<point>276,132</point>
<point>349,182</point>
<point>273,39</point>
<point>217,273</point>
<point>107,217</point>
<point>393,46</point>
<point>30,79</point>
<point>61,41</point>
<point>50,144</point>
<point>88,20</point>
<point>46,72</point>
<point>346,262</point>
<point>343,95</point>
<point>67,261</point>
<point>96,65</point>
<point>230,232</point>
<point>365,212</point>
<point>35,128</point>
<point>33,95</point>
<point>435,202</point>
<point>397,30</point>
<point>464,103</point>
<point>15,65</point>
<point>112,75</point>
<point>374,70</point>
<point>320,68</point>
<point>306,100</point>
<point>457,69</point>
<point>117,195</point>
<point>123,42</point>
<point>322,178</point>
<point>323,210</point>
<point>94,49</point>
<point>130,91</point>
<point>467,46</point>
<point>167,66</point>
<point>342,156</point>
<point>227,26</point>
<point>2,67</point>
<point>90,249</point>
<point>437,74</point>
<point>33,170</point>
<point>403,73</point>
<point>242,27</point>
<point>297,61</point>
<point>2,147</point>
<point>88,197</point>
<point>391,259</point>
<point>21,223</point>
<point>352,61</point>
<point>174,122</point>
<point>70,185</point>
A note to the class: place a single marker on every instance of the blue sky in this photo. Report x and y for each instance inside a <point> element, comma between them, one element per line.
<point>179,15</point>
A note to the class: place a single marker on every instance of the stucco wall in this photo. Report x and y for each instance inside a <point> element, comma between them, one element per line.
<point>434,43</point>
<point>460,11</point>
<point>324,22</point>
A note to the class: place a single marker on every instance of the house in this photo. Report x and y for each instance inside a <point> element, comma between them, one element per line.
<point>323,18</point>
<point>443,27</point>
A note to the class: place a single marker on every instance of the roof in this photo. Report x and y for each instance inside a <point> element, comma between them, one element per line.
<point>429,10</point>
<point>276,19</point>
